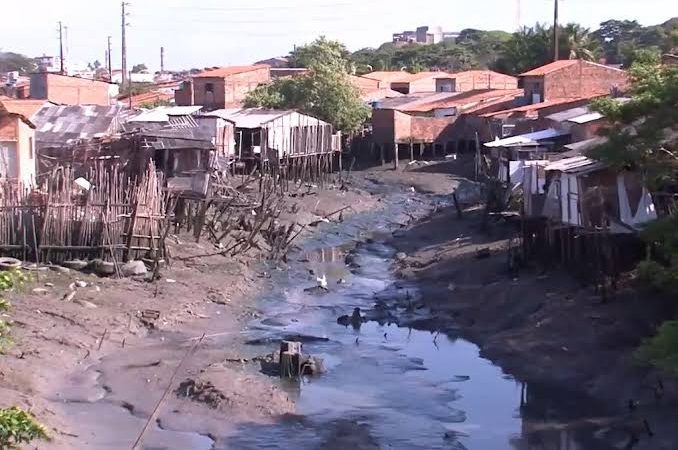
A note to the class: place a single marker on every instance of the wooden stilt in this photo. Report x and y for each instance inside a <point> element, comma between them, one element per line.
<point>395,156</point>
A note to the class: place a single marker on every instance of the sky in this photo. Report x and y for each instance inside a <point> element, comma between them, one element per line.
<point>201,33</point>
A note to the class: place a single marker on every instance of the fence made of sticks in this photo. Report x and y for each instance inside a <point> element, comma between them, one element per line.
<point>106,215</point>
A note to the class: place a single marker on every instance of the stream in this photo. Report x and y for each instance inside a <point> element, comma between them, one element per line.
<point>385,387</point>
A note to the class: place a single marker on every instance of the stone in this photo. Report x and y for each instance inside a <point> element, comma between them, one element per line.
<point>103,268</point>
<point>75,264</point>
<point>40,291</point>
<point>133,268</point>
<point>60,269</point>
<point>85,303</point>
<point>401,256</point>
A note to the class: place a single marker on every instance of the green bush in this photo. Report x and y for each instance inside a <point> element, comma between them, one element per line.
<point>19,427</point>
<point>661,350</point>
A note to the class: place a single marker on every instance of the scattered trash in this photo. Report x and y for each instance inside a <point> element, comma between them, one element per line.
<point>49,285</point>
<point>203,392</point>
<point>483,253</point>
<point>169,280</point>
<point>401,256</point>
<point>149,317</point>
<point>81,284</point>
<point>7,263</point>
<point>322,282</point>
<point>40,291</point>
<point>85,303</point>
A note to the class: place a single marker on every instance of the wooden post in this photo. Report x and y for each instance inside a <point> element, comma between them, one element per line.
<point>421,151</point>
<point>382,155</point>
<point>411,150</point>
<point>290,359</point>
<point>395,156</point>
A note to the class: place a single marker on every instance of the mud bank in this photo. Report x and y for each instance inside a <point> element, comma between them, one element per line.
<point>542,327</point>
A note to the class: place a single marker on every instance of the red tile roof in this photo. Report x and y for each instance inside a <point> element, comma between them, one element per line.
<point>548,68</point>
<point>395,77</point>
<point>26,108</point>
<point>148,98</point>
<point>467,99</point>
<point>223,72</point>
<point>538,106</point>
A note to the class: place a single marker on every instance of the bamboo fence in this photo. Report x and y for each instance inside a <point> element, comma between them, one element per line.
<point>117,218</point>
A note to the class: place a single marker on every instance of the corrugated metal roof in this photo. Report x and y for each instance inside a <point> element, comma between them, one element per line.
<point>527,139</point>
<point>63,124</point>
<point>577,164</point>
<point>586,118</point>
<point>252,117</point>
<point>588,144</point>
<point>564,116</point>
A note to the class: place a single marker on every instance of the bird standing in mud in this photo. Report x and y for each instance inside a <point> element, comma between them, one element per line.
<point>357,341</point>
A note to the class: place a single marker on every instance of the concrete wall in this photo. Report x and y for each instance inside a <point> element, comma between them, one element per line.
<point>390,126</point>
<point>67,90</point>
<point>583,79</point>
<point>17,150</point>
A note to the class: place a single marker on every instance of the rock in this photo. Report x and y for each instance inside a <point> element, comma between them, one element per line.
<point>60,269</point>
<point>103,268</point>
<point>85,303</point>
<point>49,285</point>
<point>483,253</point>
<point>80,284</point>
<point>40,291</point>
<point>75,264</point>
<point>401,256</point>
<point>318,290</point>
<point>150,262</point>
<point>133,268</point>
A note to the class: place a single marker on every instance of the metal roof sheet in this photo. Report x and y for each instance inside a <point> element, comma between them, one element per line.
<point>586,118</point>
<point>61,124</point>
<point>526,139</point>
<point>253,117</point>
<point>577,164</point>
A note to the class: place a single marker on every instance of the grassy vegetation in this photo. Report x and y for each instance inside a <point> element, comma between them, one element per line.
<point>660,350</point>
<point>19,427</point>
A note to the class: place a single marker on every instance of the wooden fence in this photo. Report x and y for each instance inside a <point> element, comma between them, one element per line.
<point>105,215</point>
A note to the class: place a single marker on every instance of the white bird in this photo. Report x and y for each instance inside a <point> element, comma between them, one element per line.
<point>322,282</point>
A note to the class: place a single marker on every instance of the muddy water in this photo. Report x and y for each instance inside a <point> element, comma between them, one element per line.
<point>385,387</point>
<point>399,388</point>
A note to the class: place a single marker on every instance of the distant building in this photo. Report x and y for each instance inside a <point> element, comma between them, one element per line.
<point>425,35</point>
<point>572,78</point>
<point>222,87</point>
<point>135,77</point>
<point>67,90</point>
<point>279,62</point>
<point>408,83</point>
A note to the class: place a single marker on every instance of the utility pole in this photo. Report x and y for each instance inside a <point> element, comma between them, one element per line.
<point>124,45</point>
<point>162,60</point>
<point>556,53</point>
<point>61,49</point>
<point>519,20</point>
<point>108,61</point>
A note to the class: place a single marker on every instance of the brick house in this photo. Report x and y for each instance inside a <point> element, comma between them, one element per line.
<point>222,88</point>
<point>68,90</point>
<point>17,147</point>
<point>571,79</point>
<point>470,80</point>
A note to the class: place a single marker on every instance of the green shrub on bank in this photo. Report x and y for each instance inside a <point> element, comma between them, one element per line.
<point>19,427</point>
<point>661,350</point>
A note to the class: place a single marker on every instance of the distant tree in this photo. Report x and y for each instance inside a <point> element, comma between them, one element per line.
<point>138,68</point>
<point>322,50</point>
<point>94,66</point>
<point>11,62</point>
<point>325,92</point>
<point>613,35</point>
<point>579,43</point>
<point>527,48</point>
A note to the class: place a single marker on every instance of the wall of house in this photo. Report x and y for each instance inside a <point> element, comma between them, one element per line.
<point>17,150</point>
<point>478,79</point>
<point>288,134</point>
<point>584,131</point>
<point>583,79</point>
<point>226,91</point>
<point>26,154</point>
<point>184,95</point>
<point>534,89</point>
<point>67,90</point>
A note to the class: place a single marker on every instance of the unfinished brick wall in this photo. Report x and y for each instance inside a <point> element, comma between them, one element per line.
<point>68,90</point>
<point>583,79</point>
<point>229,90</point>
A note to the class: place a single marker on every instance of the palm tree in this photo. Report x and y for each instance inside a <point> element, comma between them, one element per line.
<point>579,43</point>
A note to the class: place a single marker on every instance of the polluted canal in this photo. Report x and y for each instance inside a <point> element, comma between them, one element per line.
<point>386,386</point>
<point>383,386</point>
